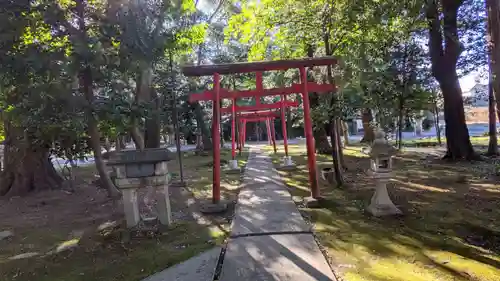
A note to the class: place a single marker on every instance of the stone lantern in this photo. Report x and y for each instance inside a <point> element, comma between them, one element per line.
<point>381,153</point>
<point>135,168</point>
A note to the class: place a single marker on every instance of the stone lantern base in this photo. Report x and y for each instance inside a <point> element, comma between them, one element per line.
<point>232,167</point>
<point>209,207</point>
<point>311,202</point>
<point>288,164</point>
<point>381,204</point>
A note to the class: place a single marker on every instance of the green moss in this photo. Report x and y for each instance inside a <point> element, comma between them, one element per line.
<point>450,230</point>
<point>110,259</point>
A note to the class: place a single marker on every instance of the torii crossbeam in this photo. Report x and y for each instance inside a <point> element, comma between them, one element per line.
<point>217,94</point>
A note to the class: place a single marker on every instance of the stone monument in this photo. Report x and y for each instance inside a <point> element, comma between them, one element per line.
<point>135,168</point>
<point>288,163</point>
<point>381,153</point>
<point>233,167</point>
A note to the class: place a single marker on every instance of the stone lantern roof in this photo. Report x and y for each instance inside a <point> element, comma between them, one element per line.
<point>381,148</point>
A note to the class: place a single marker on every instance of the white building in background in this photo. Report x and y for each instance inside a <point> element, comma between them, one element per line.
<point>477,96</point>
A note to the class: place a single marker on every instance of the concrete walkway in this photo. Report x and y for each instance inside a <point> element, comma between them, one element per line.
<point>269,238</point>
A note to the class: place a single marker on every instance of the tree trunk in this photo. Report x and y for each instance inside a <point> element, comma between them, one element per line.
<point>93,131</point>
<point>345,132</point>
<point>457,135</point>
<point>119,144</point>
<point>27,168</point>
<point>493,37</point>
<point>152,133</point>
<point>493,143</point>
<point>136,135</point>
<point>400,122</point>
<point>200,121</point>
<point>321,141</point>
<point>334,152</point>
<point>107,144</point>
<point>436,121</point>
<point>85,84</point>
<point>340,147</point>
<point>367,119</point>
<point>444,52</point>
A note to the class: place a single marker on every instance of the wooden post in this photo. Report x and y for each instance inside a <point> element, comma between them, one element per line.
<point>311,157</point>
<point>216,141</point>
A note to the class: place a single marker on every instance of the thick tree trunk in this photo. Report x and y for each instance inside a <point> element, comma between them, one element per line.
<point>493,37</point>
<point>200,121</point>
<point>321,141</point>
<point>152,133</point>
<point>27,168</point>
<point>493,143</point>
<point>457,135</point>
<point>444,53</point>
<point>367,119</point>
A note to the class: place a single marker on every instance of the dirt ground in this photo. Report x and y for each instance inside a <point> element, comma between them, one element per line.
<point>78,233</point>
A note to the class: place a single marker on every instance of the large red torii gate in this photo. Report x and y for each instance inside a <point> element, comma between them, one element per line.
<point>216,94</point>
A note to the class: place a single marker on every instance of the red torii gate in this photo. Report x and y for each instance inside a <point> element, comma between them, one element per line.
<point>215,95</point>
<point>267,116</point>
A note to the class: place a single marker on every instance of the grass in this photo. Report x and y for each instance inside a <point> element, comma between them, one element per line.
<point>199,169</point>
<point>107,257</point>
<point>433,141</point>
<point>450,230</point>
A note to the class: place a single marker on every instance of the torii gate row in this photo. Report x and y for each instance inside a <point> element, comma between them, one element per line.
<point>216,94</point>
<point>271,132</point>
<point>267,116</point>
<point>262,106</point>
<point>281,104</point>
<point>295,88</point>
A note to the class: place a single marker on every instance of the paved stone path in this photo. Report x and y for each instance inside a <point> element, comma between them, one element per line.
<point>269,238</point>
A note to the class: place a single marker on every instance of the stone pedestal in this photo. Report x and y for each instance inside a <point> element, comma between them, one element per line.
<point>163,205</point>
<point>381,204</point>
<point>136,168</point>
<point>209,207</point>
<point>311,202</point>
<point>130,207</point>
<point>381,153</point>
<point>288,163</point>
<point>232,167</point>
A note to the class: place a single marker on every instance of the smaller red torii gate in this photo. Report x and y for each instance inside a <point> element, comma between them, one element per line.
<point>267,116</point>
<point>216,94</point>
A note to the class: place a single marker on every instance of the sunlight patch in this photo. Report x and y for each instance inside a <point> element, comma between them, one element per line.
<point>422,187</point>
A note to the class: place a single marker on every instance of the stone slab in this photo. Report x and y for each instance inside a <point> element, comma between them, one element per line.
<point>264,203</point>
<point>285,257</point>
<point>264,208</point>
<point>198,268</point>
